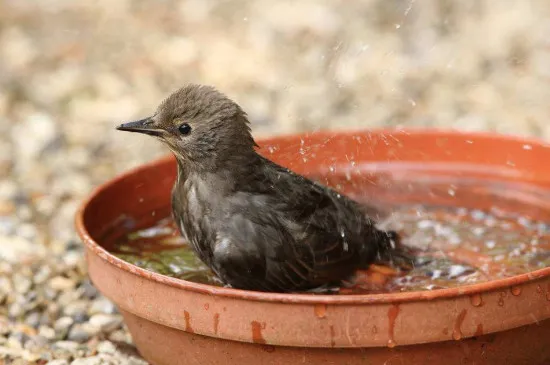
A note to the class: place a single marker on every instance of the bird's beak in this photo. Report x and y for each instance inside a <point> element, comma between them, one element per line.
<point>141,126</point>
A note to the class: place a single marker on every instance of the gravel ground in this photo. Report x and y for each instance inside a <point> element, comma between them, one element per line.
<point>70,71</point>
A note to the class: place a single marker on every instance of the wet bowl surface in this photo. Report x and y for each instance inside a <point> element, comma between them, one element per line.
<point>174,321</point>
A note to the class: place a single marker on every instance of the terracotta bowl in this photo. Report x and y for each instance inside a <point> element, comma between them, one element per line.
<point>499,322</point>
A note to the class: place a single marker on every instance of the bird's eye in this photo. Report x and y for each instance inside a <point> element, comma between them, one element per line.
<point>184,129</point>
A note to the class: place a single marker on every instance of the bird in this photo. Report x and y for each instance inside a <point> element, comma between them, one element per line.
<point>257,225</point>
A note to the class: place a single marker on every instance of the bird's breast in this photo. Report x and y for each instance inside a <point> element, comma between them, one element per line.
<point>192,215</point>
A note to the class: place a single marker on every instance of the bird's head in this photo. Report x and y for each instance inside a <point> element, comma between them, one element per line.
<point>200,125</point>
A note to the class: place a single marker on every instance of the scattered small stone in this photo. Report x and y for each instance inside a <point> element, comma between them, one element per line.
<point>120,336</point>
<point>81,333</point>
<point>66,345</point>
<point>28,330</point>
<point>46,332</point>
<point>53,309</point>
<point>106,322</point>
<point>75,308</point>
<point>94,360</point>
<point>88,290</point>
<point>58,362</point>
<point>106,347</point>
<point>19,361</point>
<point>42,275</point>
<point>33,319</point>
<point>62,326</point>
<point>67,297</point>
<point>36,342</point>
<point>102,305</point>
<point>16,310</point>
<point>17,340</point>
<point>61,283</point>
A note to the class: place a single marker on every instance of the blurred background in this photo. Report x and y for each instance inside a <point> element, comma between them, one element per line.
<point>71,71</point>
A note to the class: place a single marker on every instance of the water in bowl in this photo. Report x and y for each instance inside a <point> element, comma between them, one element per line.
<point>463,231</point>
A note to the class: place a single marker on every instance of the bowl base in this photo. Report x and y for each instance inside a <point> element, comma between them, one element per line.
<point>162,345</point>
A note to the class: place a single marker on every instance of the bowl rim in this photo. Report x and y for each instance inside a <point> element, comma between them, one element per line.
<point>303,298</point>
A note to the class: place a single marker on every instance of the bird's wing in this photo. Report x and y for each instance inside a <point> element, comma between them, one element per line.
<point>335,229</point>
<point>308,234</point>
<point>253,253</point>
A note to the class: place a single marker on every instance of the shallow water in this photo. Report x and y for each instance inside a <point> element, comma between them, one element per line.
<point>455,246</point>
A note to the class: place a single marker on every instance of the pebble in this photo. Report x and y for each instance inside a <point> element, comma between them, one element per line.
<point>46,332</point>
<point>42,274</point>
<point>88,290</point>
<point>81,333</point>
<point>61,283</point>
<point>81,317</point>
<point>21,283</point>
<point>37,342</point>
<point>76,308</point>
<point>94,360</point>
<point>106,347</point>
<point>106,322</point>
<point>102,305</point>
<point>58,362</point>
<point>62,326</point>
<point>121,335</point>
<point>66,345</point>
<point>33,319</point>
<point>16,310</point>
<point>17,340</point>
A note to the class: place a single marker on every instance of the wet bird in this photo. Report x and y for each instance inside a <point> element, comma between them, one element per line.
<point>257,225</point>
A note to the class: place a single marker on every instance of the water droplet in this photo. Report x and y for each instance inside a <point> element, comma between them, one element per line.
<point>436,274</point>
<point>320,310</point>
<point>245,19</point>
<point>527,147</point>
<point>457,270</point>
<point>469,141</point>
<point>413,103</point>
<point>141,200</point>
<point>409,8</point>
<point>478,231</point>
<point>476,300</point>
<point>501,301</point>
<point>510,163</point>
<point>397,26</point>
<point>271,149</point>
<point>524,221</point>
<point>332,168</point>
<point>391,344</point>
<point>451,192</point>
<point>477,215</point>
<point>516,290</point>
<point>424,224</point>
<point>457,331</point>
